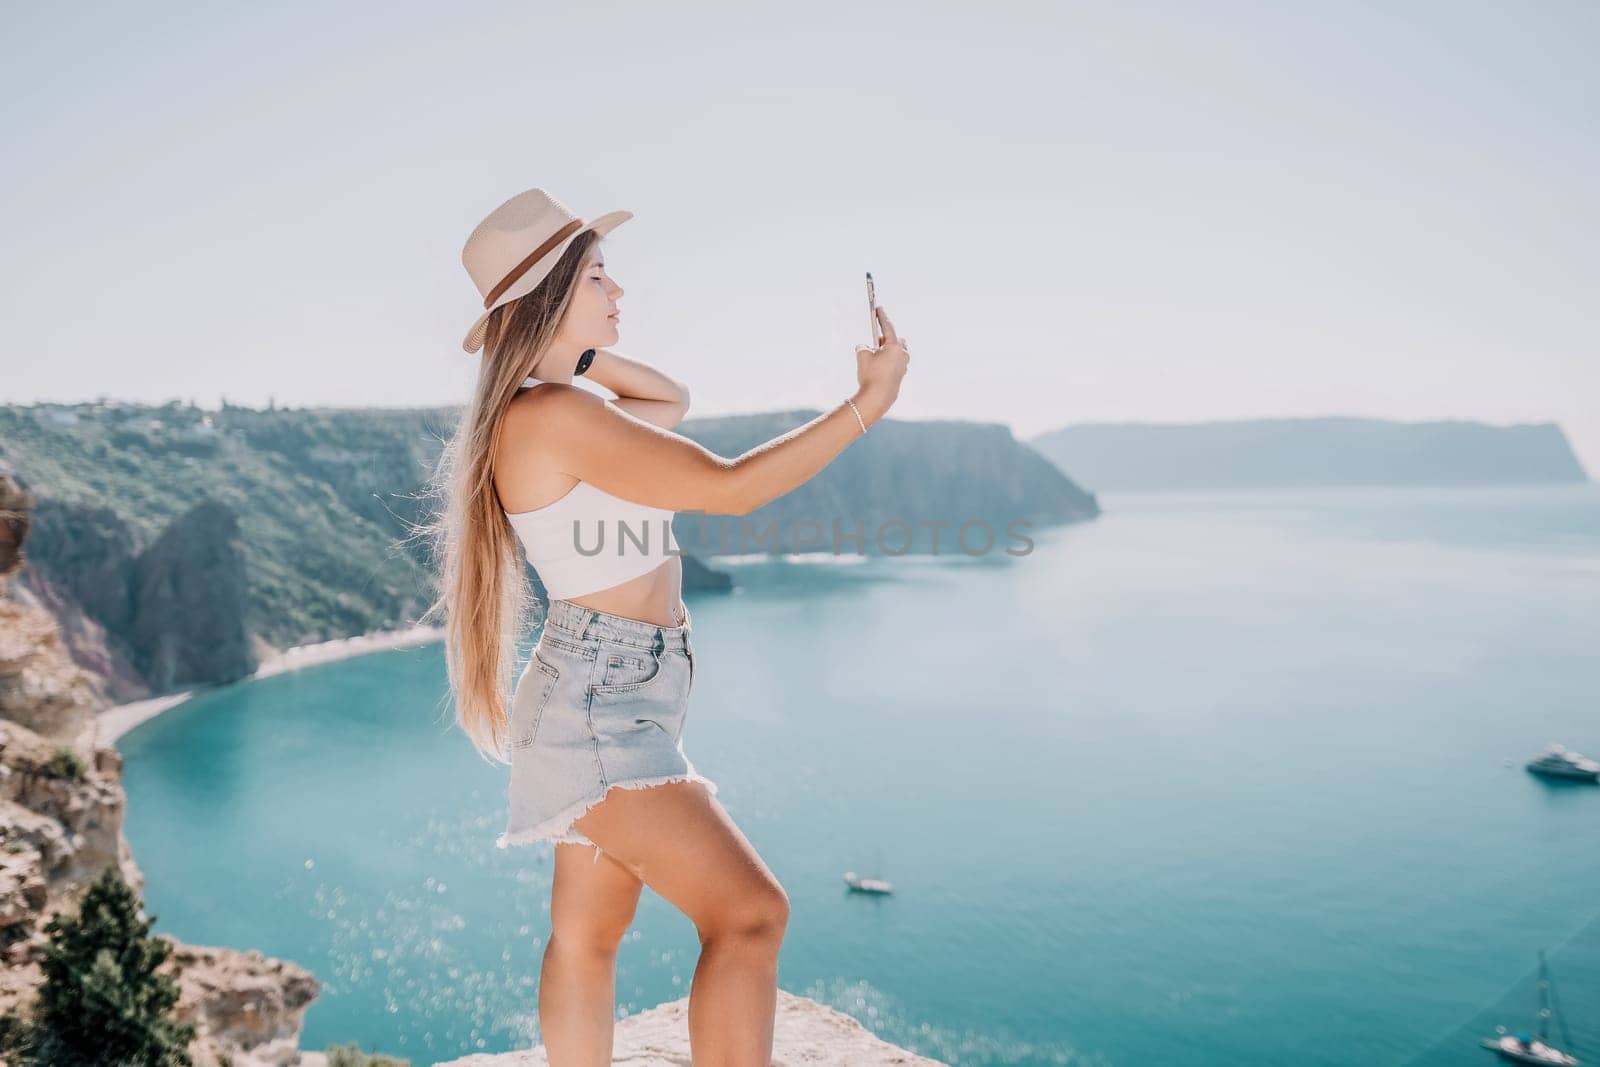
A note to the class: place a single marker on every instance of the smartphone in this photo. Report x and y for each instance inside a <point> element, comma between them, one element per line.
<point>872,312</point>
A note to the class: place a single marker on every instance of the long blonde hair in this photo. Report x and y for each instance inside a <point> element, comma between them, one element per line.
<point>483,593</point>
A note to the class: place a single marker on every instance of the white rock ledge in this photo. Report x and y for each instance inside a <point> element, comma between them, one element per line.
<point>805,1032</point>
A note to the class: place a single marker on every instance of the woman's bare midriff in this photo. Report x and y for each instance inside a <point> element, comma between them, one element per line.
<point>652,597</point>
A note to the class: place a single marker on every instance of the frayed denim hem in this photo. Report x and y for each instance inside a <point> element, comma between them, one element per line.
<point>558,828</point>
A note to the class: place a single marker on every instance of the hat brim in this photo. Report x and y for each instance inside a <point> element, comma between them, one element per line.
<point>536,273</point>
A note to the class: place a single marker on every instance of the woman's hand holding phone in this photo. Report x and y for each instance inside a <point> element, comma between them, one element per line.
<point>879,370</point>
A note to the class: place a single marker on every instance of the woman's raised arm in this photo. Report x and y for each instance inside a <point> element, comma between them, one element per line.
<point>628,457</point>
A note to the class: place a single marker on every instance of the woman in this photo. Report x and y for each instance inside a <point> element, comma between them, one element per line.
<point>543,470</point>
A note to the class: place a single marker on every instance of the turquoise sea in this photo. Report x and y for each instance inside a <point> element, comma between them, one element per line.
<point>1221,777</point>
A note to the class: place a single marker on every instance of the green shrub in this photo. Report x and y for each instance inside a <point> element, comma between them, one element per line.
<point>14,1036</point>
<point>102,1002</point>
<point>64,763</point>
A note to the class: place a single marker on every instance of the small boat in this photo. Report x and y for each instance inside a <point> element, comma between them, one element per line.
<point>866,885</point>
<point>1521,1048</point>
<point>1556,761</point>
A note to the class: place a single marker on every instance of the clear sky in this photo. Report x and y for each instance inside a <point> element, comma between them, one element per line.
<point>1075,212</point>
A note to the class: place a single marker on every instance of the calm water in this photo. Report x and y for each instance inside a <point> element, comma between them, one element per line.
<point>1221,777</point>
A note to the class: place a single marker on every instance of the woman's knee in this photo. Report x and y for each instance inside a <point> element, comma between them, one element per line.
<point>756,916</point>
<point>590,934</point>
<point>589,942</point>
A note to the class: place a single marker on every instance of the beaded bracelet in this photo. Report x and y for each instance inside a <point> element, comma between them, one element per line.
<point>857,410</point>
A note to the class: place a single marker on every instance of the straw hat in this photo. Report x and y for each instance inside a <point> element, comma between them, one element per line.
<point>510,252</point>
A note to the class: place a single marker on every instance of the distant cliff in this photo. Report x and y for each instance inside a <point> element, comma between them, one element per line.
<point>177,546</point>
<point>1296,452</point>
<point>901,477</point>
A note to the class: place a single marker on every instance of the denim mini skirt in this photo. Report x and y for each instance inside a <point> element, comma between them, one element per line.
<point>601,703</point>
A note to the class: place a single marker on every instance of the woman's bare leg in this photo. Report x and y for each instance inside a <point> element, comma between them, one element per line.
<point>680,841</point>
<point>592,901</point>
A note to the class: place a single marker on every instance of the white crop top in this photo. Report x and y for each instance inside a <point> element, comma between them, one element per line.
<point>588,539</point>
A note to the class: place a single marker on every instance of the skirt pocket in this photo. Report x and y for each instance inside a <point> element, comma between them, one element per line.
<point>626,669</point>
<point>652,708</point>
<point>532,694</point>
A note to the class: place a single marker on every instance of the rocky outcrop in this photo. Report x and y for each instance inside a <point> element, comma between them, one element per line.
<point>247,1007</point>
<point>99,651</point>
<point>142,622</point>
<point>40,689</point>
<point>190,595</point>
<point>82,560</point>
<point>91,550</point>
<point>905,487</point>
<point>804,1032</point>
<point>65,807</point>
<point>61,824</point>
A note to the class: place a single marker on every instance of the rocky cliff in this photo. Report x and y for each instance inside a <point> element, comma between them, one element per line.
<point>905,487</point>
<point>61,817</point>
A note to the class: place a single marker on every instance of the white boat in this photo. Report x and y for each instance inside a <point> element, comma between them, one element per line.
<point>1523,1048</point>
<point>866,885</point>
<point>1519,1048</point>
<point>1556,761</point>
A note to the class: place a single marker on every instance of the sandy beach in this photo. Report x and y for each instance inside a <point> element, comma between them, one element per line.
<point>120,718</point>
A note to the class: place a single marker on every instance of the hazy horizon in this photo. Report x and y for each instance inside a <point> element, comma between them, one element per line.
<point>1154,213</point>
<point>892,415</point>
